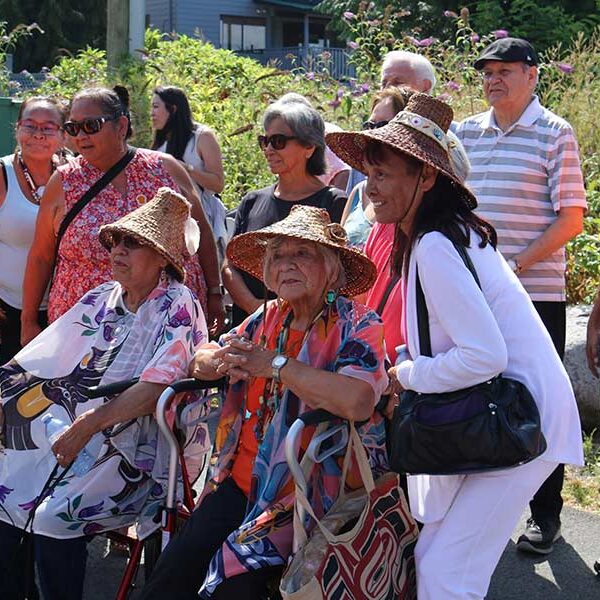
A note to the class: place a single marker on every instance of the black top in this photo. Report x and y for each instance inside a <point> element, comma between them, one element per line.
<point>261,208</point>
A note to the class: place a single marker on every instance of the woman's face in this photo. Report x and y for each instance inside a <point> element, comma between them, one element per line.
<point>391,186</point>
<point>292,157</point>
<point>136,267</point>
<point>39,133</point>
<point>106,144</point>
<point>159,113</point>
<point>296,271</point>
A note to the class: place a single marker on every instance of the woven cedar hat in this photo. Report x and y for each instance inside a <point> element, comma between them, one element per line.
<point>247,251</point>
<point>159,224</point>
<point>418,131</point>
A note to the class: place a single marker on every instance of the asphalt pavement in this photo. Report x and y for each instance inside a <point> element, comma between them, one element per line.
<point>566,574</point>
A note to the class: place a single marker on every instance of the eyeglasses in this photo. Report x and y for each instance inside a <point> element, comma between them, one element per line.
<point>374,124</point>
<point>128,241</point>
<point>31,128</point>
<point>88,126</point>
<point>278,141</point>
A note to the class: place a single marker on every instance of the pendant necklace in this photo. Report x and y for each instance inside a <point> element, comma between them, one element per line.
<point>36,191</point>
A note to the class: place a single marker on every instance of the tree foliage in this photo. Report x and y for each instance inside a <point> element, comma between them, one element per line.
<point>68,25</point>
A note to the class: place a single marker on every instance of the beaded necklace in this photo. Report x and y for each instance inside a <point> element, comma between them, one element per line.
<point>36,191</point>
<point>270,399</point>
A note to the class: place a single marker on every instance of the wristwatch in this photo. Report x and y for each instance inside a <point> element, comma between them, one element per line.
<point>514,265</point>
<point>277,364</point>
<point>215,290</point>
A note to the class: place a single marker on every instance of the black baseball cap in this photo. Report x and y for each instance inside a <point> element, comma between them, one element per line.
<point>508,50</point>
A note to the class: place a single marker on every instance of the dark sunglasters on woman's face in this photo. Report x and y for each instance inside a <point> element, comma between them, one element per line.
<point>31,127</point>
<point>88,126</point>
<point>128,241</point>
<point>277,141</point>
<point>374,124</point>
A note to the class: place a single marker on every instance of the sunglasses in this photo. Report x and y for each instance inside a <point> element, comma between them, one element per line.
<point>128,241</point>
<point>277,141</point>
<point>374,124</point>
<point>88,126</point>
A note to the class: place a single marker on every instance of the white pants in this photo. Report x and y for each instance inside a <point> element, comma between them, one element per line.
<point>456,556</point>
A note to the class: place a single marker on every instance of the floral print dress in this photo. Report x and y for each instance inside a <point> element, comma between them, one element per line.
<point>83,263</point>
<point>98,341</point>
<point>347,339</point>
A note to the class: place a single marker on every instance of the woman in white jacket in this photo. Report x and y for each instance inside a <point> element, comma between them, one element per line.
<point>476,334</point>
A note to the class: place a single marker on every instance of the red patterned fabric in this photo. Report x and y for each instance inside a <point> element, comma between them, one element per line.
<point>82,262</point>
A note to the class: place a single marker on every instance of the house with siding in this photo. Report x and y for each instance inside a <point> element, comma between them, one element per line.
<point>290,32</point>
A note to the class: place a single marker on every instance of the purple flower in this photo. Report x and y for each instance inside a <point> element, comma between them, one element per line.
<point>92,528</point>
<point>566,67</point>
<point>474,38</point>
<point>453,86</point>
<point>500,33</point>
<point>90,298</point>
<point>108,333</point>
<point>349,16</point>
<point>91,511</point>
<point>27,506</point>
<point>365,88</point>
<point>444,97</point>
<point>341,92</point>
<point>4,492</point>
<point>422,43</point>
<point>450,14</point>
<point>181,317</point>
<point>335,102</point>
<point>197,336</point>
<point>352,45</point>
<point>310,75</point>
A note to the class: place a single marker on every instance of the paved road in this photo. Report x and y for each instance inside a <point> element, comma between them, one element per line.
<point>566,574</point>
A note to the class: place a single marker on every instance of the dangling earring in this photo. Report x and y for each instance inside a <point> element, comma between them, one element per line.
<point>330,297</point>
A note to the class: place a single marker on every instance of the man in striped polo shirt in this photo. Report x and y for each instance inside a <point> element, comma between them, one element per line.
<point>526,174</point>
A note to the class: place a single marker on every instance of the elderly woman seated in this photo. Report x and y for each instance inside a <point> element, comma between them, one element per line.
<point>310,348</point>
<point>145,324</point>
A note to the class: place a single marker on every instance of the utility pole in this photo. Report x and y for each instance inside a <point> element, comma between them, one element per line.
<point>117,32</point>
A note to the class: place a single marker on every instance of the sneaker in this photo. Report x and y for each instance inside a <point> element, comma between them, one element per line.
<point>539,537</point>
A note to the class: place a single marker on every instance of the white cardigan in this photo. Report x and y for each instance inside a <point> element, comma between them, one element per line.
<point>475,335</point>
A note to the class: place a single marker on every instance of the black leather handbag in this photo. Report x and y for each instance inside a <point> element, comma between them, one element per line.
<point>492,425</point>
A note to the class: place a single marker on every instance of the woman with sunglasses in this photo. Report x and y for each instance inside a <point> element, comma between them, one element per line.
<point>358,217</point>
<point>99,126</point>
<point>23,178</point>
<point>294,146</point>
<point>196,147</point>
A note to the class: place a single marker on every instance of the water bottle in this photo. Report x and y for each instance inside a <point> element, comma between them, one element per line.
<point>88,455</point>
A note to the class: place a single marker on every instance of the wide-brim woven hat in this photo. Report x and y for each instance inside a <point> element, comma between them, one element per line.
<point>159,224</point>
<point>418,131</point>
<point>247,250</point>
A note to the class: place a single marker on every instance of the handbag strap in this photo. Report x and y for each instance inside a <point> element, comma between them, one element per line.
<point>92,192</point>
<point>423,313</point>
<point>367,478</point>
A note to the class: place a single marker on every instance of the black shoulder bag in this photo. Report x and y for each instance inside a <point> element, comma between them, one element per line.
<point>92,192</point>
<point>492,425</point>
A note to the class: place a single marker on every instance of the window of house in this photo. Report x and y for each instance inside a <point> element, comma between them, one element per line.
<point>243,33</point>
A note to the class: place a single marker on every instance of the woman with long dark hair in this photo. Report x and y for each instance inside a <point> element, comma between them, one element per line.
<point>476,333</point>
<point>196,147</point>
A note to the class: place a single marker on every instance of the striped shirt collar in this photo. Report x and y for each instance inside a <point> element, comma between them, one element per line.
<point>529,116</point>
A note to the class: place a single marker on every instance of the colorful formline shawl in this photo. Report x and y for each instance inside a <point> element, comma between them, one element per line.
<point>97,341</point>
<point>347,339</point>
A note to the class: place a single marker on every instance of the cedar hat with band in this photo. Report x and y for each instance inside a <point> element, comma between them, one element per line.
<point>311,224</point>
<point>418,131</point>
<point>162,224</point>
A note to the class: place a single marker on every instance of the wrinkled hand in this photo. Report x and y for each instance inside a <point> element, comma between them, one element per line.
<point>215,319</point>
<point>394,389</point>
<point>74,439</point>
<point>29,330</point>
<point>241,358</point>
<point>592,341</point>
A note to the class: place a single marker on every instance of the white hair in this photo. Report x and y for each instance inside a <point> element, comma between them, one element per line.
<point>419,64</point>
